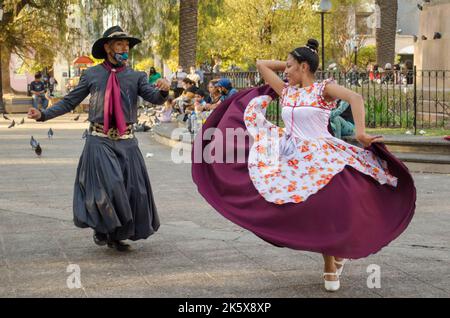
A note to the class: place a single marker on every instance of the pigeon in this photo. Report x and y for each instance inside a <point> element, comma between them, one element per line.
<point>50,133</point>
<point>12,124</point>
<point>147,128</point>
<point>5,117</point>
<point>76,118</point>
<point>38,150</point>
<point>85,134</point>
<point>33,143</point>
<point>22,121</point>
<point>422,132</point>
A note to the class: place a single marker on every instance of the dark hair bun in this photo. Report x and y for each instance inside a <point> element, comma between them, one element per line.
<point>313,45</point>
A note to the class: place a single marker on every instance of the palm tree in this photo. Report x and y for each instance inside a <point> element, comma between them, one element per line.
<point>387,31</point>
<point>188,33</point>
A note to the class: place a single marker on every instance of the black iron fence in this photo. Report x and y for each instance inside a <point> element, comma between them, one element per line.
<point>415,99</point>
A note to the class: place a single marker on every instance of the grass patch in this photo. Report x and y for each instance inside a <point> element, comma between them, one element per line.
<point>433,132</point>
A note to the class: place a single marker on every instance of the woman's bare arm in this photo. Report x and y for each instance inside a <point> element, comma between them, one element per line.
<point>268,70</point>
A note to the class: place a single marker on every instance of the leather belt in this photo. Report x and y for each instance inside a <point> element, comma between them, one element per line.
<point>97,130</point>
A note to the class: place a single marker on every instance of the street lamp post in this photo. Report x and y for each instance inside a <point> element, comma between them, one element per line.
<point>322,16</point>
<point>2,105</point>
<point>324,7</point>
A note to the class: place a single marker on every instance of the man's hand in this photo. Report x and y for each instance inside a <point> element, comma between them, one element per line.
<point>163,85</point>
<point>35,114</point>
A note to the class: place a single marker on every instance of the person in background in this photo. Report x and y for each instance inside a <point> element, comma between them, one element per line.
<point>213,100</point>
<point>199,100</point>
<point>354,76</point>
<point>226,88</point>
<point>185,102</point>
<point>165,115</point>
<point>397,74</point>
<point>196,113</point>
<point>409,72</point>
<point>193,76</point>
<point>52,82</point>
<point>38,90</point>
<point>201,106</point>
<point>374,74</point>
<point>216,68</point>
<point>388,77</point>
<point>187,83</point>
<point>154,76</point>
<point>201,73</point>
<point>177,81</point>
<point>341,120</point>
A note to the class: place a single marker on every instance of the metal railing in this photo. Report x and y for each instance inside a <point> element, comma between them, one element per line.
<point>415,99</point>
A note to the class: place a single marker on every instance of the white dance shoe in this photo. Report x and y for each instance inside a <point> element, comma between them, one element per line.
<point>332,285</point>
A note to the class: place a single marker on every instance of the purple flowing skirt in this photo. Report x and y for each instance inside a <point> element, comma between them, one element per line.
<point>352,217</point>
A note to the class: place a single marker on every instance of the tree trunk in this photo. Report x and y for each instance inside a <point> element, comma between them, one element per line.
<point>5,60</point>
<point>386,34</point>
<point>188,33</point>
<point>2,104</point>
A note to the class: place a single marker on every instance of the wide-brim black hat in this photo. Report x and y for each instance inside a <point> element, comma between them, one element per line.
<point>113,33</point>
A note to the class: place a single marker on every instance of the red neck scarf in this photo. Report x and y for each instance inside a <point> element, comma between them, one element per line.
<point>112,109</point>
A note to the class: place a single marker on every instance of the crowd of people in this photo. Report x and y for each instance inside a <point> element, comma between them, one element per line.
<point>398,74</point>
<point>195,104</point>
<point>189,100</point>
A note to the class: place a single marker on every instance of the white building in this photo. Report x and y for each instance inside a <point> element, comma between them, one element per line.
<point>366,19</point>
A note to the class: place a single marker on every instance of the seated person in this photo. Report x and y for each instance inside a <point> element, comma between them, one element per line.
<point>186,100</point>
<point>165,114</point>
<point>213,100</point>
<point>199,100</point>
<point>196,117</point>
<point>188,83</point>
<point>38,91</point>
<point>341,120</point>
<point>226,88</point>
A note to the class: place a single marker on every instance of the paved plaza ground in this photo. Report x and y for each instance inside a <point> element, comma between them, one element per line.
<point>196,253</point>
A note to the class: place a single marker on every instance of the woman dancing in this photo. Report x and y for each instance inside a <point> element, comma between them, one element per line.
<point>300,187</point>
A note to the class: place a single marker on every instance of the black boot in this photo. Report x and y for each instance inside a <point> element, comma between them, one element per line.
<point>100,239</point>
<point>119,245</point>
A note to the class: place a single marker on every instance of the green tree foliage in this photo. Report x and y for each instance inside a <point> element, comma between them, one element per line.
<point>33,29</point>
<point>241,32</point>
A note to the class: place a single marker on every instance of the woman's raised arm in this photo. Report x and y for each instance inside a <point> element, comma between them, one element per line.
<point>268,70</point>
